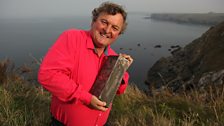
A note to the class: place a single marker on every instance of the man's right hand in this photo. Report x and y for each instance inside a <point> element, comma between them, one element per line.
<point>97,104</point>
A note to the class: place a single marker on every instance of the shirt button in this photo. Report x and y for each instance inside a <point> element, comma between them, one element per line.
<point>100,114</point>
<point>96,125</point>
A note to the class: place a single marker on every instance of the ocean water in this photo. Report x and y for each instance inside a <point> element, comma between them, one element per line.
<point>20,38</point>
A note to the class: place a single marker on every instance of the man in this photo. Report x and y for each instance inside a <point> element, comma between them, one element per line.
<point>71,65</point>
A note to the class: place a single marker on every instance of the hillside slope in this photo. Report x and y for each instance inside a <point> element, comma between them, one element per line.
<point>201,59</point>
<point>191,18</point>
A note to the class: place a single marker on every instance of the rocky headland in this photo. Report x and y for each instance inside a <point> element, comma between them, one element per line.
<point>197,65</point>
<point>190,18</point>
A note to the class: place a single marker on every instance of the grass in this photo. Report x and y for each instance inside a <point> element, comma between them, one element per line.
<point>23,103</point>
<point>193,108</point>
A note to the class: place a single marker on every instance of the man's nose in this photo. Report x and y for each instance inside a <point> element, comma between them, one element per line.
<point>108,29</point>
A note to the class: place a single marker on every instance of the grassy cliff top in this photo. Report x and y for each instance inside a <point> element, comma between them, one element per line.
<point>191,18</point>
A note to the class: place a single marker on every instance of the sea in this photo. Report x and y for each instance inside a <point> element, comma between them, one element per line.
<point>146,39</point>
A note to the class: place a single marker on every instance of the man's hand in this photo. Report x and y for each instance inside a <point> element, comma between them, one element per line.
<point>128,57</point>
<point>97,104</point>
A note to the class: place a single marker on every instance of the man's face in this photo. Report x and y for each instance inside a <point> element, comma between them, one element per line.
<point>106,29</point>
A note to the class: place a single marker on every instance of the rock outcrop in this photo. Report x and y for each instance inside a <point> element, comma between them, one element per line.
<point>186,68</point>
<point>190,18</point>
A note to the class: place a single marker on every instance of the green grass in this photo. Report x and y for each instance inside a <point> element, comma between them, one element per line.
<point>23,103</point>
<point>192,108</point>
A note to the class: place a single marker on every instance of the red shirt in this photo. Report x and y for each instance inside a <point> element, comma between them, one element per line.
<point>68,71</point>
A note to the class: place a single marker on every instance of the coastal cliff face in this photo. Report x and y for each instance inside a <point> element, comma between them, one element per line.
<point>196,65</point>
<point>190,18</point>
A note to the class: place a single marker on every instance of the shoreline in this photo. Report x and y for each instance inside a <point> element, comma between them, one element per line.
<point>189,18</point>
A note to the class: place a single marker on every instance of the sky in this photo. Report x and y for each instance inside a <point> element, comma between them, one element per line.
<point>47,8</point>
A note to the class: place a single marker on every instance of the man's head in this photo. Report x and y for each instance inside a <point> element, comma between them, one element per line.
<point>108,22</point>
<point>111,9</point>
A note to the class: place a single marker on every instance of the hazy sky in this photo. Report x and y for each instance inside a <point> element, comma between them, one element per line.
<point>38,8</point>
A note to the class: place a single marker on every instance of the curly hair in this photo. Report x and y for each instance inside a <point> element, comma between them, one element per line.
<point>112,9</point>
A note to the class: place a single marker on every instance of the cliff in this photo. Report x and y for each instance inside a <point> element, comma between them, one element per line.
<point>191,18</point>
<point>199,63</point>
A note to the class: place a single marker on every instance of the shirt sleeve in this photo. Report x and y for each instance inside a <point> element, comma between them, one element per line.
<point>56,70</point>
<point>123,84</point>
